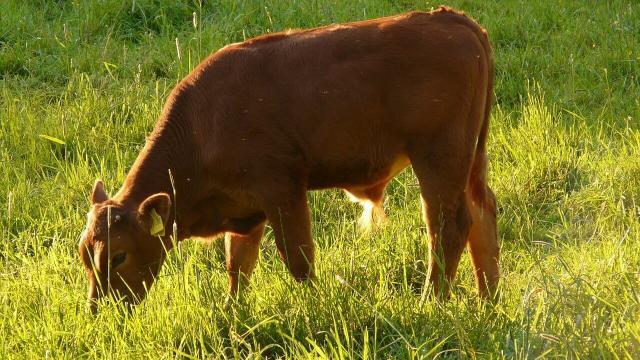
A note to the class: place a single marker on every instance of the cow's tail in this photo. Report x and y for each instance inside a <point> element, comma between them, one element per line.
<point>477,184</point>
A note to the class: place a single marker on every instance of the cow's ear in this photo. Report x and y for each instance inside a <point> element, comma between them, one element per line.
<point>153,213</point>
<point>98,195</point>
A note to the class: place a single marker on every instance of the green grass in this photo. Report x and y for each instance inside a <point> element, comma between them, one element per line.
<point>82,83</point>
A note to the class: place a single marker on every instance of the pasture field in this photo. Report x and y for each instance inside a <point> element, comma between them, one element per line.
<point>82,83</point>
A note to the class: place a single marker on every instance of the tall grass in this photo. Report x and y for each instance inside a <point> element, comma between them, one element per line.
<point>81,84</point>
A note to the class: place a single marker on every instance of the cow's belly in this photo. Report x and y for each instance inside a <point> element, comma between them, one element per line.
<point>356,173</point>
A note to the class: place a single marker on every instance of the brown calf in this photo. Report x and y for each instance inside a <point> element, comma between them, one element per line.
<point>259,123</point>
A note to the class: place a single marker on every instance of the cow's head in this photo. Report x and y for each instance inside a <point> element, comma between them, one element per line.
<point>121,247</point>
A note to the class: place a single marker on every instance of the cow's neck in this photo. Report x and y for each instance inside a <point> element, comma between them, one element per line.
<point>169,149</point>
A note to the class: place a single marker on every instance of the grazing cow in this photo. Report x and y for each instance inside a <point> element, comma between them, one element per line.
<point>259,123</point>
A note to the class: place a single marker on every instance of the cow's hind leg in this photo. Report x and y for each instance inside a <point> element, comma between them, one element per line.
<point>371,198</point>
<point>241,252</point>
<point>442,175</point>
<point>483,242</point>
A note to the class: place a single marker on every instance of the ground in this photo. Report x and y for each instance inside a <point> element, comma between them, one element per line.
<point>82,83</point>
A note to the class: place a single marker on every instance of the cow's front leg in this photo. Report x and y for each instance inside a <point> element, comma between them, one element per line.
<point>241,252</point>
<point>288,213</point>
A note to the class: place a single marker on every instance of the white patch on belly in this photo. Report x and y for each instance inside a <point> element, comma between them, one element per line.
<point>372,212</point>
<point>373,215</point>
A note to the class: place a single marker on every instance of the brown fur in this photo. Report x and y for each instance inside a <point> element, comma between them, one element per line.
<point>259,123</point>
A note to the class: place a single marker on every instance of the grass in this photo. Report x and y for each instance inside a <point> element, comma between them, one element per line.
<point>82,83</point>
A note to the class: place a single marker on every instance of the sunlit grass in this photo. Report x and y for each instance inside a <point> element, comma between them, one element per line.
<point>82,83</point>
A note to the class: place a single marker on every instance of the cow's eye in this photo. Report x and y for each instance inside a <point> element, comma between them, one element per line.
<point>117,260</point>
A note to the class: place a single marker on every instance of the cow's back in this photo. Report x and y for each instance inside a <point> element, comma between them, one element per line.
<point>340,100</point>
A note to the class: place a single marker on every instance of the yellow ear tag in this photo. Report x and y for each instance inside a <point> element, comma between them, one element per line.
<point>157,226</point>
